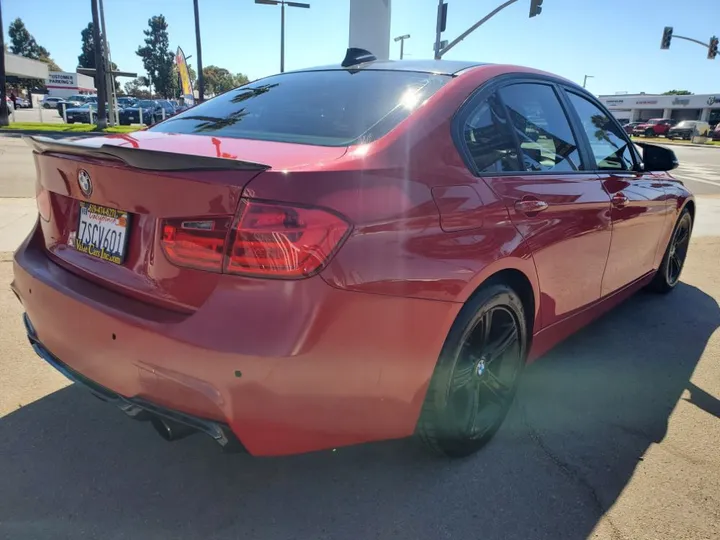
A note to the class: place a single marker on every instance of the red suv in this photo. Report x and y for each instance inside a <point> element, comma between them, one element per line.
<point>654,127</point>
<point>344,254</point>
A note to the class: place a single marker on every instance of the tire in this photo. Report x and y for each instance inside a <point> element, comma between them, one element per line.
<point>668,275</point>
<point>473,382</point>
<point>649,133</point>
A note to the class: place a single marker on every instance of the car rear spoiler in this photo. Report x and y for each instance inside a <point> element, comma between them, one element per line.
<point>140,158</point>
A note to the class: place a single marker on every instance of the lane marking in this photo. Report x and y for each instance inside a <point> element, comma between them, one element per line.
<point>686,179</point>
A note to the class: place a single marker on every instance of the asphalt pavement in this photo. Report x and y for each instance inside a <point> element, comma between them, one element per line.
<point>614,435</point>
<point>699,168</point>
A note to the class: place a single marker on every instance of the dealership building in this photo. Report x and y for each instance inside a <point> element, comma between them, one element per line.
<point>640,107</point>
<point>64,84</point>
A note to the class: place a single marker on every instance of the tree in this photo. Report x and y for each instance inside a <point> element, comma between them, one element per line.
<point>219,80</point>
<point>156,56</point>
<point>678,93</point>
<point>23,43</point>
<point>138,88</point>
<point>240,78</point>
<point>86,59</point>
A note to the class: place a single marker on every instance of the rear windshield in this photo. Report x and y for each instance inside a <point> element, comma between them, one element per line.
<point>327,108</point>
<point>686,124</point>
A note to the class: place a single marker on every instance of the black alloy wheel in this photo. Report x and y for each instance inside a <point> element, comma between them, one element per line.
<point>476,377</point>
<point>668,275</point>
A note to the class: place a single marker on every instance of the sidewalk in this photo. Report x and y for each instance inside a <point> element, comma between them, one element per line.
<point>17,216</point>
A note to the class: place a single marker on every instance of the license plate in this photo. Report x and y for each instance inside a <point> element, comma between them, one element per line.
<point>102,232</point>
<point>131,117</point>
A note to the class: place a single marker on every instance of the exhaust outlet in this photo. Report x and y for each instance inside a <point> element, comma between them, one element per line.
<point>170,430</point>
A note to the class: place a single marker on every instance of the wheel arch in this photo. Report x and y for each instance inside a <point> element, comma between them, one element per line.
<point>521,276</point>
<point>690,206</point>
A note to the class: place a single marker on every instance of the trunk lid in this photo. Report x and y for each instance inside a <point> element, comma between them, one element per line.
<point>152,177</point>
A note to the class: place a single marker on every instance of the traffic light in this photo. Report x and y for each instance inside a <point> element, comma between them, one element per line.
<point>535,7</point>
<point>443,17</point>
<point>713,48</point>
<point>667,37</point>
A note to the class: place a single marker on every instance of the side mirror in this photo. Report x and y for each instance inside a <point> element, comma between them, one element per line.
<point>657,158</point>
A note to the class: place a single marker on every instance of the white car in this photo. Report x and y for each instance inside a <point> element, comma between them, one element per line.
<point>50,102</point>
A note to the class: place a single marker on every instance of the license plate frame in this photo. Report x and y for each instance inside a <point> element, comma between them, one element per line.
<point>99,252</point>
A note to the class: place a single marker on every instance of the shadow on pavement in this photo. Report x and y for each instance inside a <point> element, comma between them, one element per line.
<point>73,467</point>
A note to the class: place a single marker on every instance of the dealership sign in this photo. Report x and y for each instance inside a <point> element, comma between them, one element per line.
<point>62,79</point>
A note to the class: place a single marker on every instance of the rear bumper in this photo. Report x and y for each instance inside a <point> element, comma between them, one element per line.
<point>135,408</point>
<point>288,366</point>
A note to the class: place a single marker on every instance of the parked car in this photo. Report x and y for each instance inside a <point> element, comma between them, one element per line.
<point>715,133</point>
<point>9,103</point>
<point>654,127</point>
<point>168,108</point>
<point>126,101</point>
<point>316,259</point>
<point>50,102</point>
<point>81,114</point>
<point>151,113</point>
<point>22,103</point>
<point>687,129</point>
<point>631,126</point>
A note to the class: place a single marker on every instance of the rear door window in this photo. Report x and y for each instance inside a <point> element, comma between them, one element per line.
<point>608,143</point>
<point>488,138</point>
<point>330,108</point>
<point>546,140</point>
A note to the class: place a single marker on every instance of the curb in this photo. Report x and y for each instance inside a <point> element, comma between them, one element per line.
<point>18,133</point>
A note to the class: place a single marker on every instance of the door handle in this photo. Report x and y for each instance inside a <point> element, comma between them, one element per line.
<point>619,200</point>
<point>530,206</point>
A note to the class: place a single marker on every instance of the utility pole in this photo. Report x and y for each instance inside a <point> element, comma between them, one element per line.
<point>402,39</point>
<point>109,81</point>
<point>198,46</point>
<point>100,68</point>
<point>586,78</point>
<point>4,121</point>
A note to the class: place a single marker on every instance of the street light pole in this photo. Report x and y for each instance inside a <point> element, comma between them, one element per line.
<point>586,78</point>
<point>282,4</point>
<point>4,121</point>
<point>282,37</point>
<point>402,39</point>
<point>198,46</point>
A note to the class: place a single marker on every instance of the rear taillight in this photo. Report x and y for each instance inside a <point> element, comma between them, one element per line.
<point>196,242</point>
<point>269,239</point>
<point>283,241</point>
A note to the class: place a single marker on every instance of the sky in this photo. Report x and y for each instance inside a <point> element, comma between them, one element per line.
<point>615,41</point>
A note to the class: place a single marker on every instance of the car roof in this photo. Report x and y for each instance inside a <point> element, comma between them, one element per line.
<point>440,67</point>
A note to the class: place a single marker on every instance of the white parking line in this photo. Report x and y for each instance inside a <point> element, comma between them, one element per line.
<point>695,179</point>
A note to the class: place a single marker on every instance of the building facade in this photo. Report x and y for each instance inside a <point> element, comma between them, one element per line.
<point>640,107</point>
<point>64,84</point>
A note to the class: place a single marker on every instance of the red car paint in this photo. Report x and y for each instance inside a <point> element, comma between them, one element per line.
<point>344,356</point>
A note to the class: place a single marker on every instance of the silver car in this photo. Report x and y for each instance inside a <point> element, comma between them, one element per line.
<point>50,102</point>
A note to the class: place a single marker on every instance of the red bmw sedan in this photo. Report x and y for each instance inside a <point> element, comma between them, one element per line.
<point>344,254</point>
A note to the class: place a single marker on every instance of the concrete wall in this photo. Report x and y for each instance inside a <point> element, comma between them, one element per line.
<point>370,26</point>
